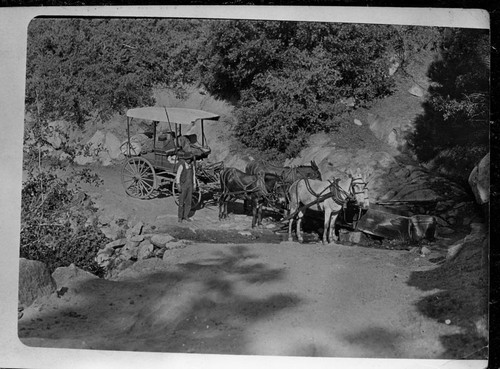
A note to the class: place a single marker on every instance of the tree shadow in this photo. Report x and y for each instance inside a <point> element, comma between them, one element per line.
<point>379,341</point>
<point>200,306</point>
<point>462,301</point>
<point>453,131</point>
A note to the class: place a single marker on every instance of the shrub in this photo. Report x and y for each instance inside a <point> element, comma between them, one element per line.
<point>58,224</point>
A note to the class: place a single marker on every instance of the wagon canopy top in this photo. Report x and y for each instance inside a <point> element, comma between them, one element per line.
<point>172,115</point>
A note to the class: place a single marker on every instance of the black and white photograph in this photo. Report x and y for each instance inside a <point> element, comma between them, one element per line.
<point>278,184</point>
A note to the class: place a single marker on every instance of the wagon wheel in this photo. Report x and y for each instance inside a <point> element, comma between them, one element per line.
<point>196,199</point>
<point>138,178</point>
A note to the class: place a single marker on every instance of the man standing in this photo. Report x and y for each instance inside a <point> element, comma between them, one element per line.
<point>186,183</point>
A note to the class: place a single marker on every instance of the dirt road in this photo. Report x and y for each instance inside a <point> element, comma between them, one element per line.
<point>250,297</point>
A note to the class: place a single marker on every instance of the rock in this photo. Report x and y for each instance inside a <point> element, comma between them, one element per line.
<point>118,266</point>
<point>177,244</point>
<point>354,237</point>
<point>84,160</point>
<point>393,139</point>
<point>130,250</point>
<point>416,90</point>
<point>114,230</point>
<point>116,243</point>
<point>357,122</point>
<point>112,146</point>
<point>34,281</point>
<point>454,250</point>
<point>135,230</point>
<point>71,275</point>
<point>104,256</point>
<point>136,238</point>
<point>479,180</point>
<point>145,250</point>
<point>160,240</point>
<point>424,251</point>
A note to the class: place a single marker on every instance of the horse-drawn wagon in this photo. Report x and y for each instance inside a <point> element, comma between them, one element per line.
<point>152,155</point>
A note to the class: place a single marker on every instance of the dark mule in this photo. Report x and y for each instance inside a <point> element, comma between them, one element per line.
<point>287,174</point>
<point>249,187</point>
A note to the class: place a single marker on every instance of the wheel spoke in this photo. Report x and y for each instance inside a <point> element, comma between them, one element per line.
<point>129,169</point>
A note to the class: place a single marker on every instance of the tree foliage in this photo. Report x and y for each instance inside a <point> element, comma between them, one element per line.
<point>58,223</point>
<point>288,78</point>
<point>78,68</point>
<point>456,117</point>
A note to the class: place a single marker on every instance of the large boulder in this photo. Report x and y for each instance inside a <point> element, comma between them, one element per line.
<point>34,281</point>
<point>112,146</point>
<point>71,276</point>
<point>479,180</point>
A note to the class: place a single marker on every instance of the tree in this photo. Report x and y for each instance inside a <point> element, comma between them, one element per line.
<point>288,78</point>
<point>454,130</point>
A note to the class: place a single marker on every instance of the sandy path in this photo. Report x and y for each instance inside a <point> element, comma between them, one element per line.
<point>248,298</point>
<point>280,299</point>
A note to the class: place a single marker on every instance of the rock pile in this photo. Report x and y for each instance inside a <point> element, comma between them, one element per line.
<point>122,253</point>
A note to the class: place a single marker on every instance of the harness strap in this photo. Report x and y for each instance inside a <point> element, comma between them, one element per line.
<point>246,188</point>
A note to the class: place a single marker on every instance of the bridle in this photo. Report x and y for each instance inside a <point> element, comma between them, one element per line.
<point>356,182</point>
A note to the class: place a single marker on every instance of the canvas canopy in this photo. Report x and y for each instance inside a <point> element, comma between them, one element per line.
<point>172,115</point>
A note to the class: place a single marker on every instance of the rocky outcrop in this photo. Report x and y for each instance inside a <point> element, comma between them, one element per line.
<point>66,277</point>
<point>122,253</point>
<point>478,237</point>
<point>394,180</point>
<point>479,180</point>
<point>102,147</point>
<point>34,281</point>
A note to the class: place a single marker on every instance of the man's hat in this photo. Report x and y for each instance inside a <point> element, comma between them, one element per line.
<point>185,155</point>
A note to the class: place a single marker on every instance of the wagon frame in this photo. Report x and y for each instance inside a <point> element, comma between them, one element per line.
<point>143,173</point>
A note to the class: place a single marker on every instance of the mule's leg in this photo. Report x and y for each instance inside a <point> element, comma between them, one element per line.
<point>326,224</point>
<point>333,236</point>
<point>221,206</point>
<point>299,223</point>
<point>290,226</point>
<point>254,214</point>
<point>259,213</point>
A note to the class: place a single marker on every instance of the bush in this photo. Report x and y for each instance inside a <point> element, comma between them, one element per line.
<point>288,78</point>
<point>58,224</point>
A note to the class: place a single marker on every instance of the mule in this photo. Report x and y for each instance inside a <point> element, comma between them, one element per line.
<point>249,187</point>
<point>287,174</point>
<point>305,192</point>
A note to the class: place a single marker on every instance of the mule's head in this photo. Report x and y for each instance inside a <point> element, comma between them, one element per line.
<point>358,189</point>
<point>312,172</point>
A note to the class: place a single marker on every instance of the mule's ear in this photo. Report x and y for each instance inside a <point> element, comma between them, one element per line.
<point>349,172</point>
<point>314,165</point>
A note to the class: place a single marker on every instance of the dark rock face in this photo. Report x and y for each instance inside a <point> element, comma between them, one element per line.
<point>34,281</point>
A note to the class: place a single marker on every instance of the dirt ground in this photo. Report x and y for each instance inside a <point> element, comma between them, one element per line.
<point>235,290</point>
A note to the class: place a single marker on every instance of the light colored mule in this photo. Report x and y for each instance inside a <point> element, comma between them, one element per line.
<point>305,192</point>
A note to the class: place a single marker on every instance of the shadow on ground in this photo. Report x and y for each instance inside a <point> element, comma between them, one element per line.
<point>202,306</point>
<point>462,300</point>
